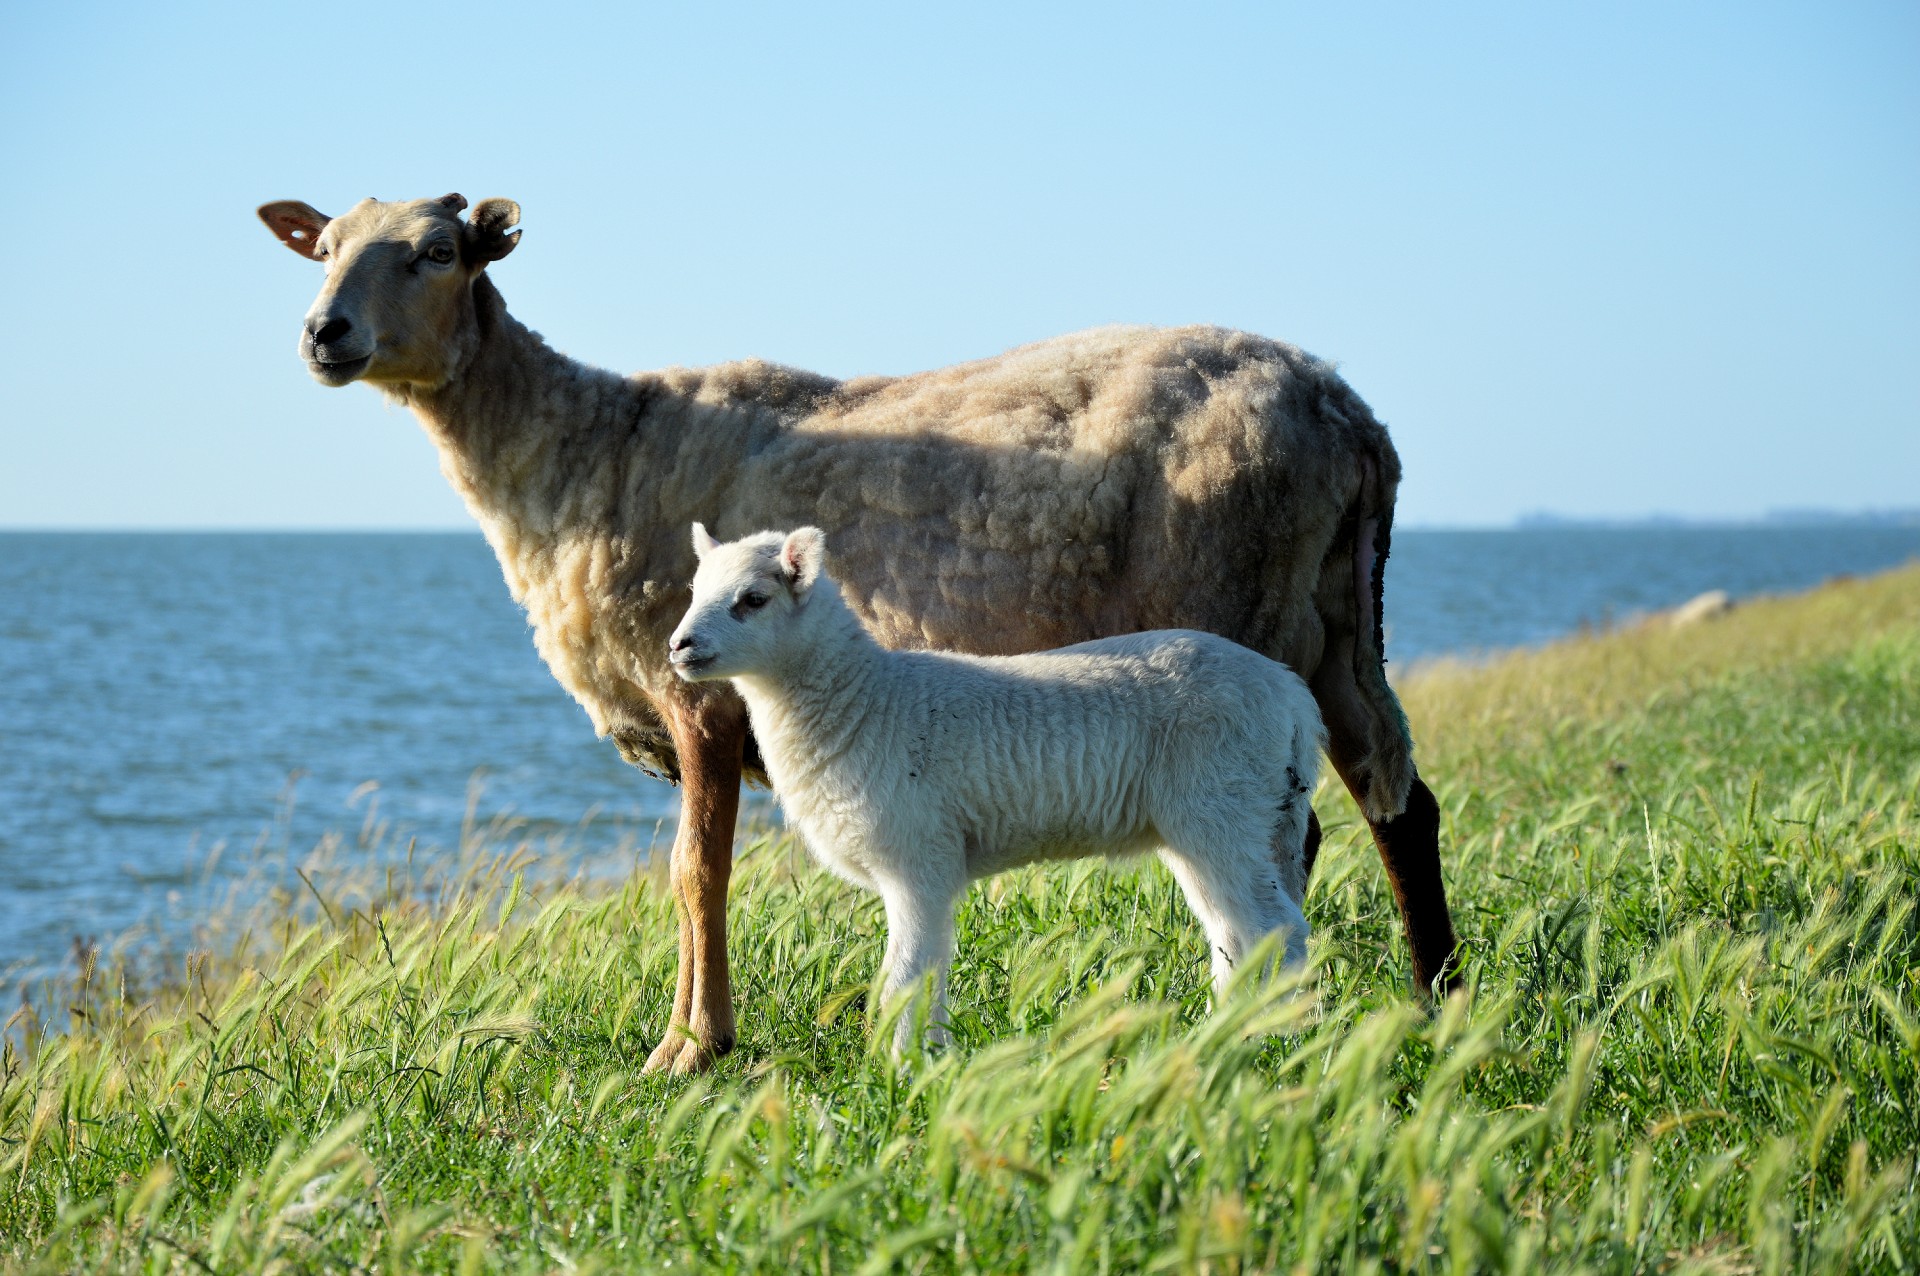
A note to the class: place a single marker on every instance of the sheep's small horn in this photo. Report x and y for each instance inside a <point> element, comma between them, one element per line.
<point>456,202</point>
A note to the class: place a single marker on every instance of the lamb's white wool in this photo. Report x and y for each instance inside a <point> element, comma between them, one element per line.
<point>911,773</point>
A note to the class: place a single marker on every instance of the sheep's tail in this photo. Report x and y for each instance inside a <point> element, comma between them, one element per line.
<point>1390,770</point>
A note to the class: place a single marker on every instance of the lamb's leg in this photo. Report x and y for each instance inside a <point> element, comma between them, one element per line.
<point>709,734</point>
<point>1239,900</point>
<point>919,940</point>
<point>1409,842</point>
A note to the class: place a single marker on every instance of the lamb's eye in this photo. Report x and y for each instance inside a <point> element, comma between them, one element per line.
<point>754,601</point>
<point>441,253</point>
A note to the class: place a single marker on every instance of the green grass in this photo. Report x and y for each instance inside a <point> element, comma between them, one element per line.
<point>1686,864</point>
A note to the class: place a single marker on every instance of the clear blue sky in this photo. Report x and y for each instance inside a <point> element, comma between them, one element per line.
<point>1596,259</point>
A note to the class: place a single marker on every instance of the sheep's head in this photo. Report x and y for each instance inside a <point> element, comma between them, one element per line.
<point>397,306</point>
<point>747,596</point>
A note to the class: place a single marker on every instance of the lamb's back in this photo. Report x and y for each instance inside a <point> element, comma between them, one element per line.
<point>1077,745</point>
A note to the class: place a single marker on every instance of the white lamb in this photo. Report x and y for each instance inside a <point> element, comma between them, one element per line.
<point>913,772</point>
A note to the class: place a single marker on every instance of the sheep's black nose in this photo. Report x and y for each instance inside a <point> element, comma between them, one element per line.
<point>332,330</point>
<point>683,643</point>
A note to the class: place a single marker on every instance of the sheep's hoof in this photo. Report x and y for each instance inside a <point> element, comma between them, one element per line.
<point>683,1053</point>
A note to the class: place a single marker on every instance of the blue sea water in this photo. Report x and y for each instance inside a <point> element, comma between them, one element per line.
<point>162,695</point>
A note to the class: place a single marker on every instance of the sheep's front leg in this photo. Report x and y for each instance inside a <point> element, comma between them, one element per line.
<point>709,734</point>
<point>919,940</point>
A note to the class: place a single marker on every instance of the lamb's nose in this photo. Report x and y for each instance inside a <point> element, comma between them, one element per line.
<point>683,643</point>
<point>332,330</point>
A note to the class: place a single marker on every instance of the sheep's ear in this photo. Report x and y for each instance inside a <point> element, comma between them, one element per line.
<point>703,543</point>
<point>295,224</point>
<point>491,231</point>
<point>801,558</point>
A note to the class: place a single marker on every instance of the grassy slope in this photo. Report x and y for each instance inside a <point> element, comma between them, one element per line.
<point>1685,861</point>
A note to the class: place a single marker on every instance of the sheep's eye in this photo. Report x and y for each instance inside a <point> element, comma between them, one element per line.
<point>441,253</point>
<point>754,601</point>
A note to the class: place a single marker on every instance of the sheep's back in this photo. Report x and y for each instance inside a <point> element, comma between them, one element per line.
<point>1111,481</point>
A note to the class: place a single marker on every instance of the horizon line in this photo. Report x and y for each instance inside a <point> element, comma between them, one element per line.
<point>1780,520</point>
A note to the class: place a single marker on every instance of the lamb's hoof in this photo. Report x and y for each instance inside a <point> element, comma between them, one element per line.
<point>683,1053</point>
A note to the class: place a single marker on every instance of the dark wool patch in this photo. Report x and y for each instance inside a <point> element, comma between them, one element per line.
<point>653,753</point>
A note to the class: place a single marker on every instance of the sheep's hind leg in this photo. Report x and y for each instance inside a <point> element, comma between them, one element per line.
<point>1409,846</point>
<point>709,735</point>
<point>1409,843</point>
<point>1309,853</point>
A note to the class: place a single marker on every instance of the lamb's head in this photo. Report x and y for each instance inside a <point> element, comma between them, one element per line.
<point>750,601</point>
<point>397,307</point>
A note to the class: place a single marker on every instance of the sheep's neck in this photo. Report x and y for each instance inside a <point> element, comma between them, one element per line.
<point>507,417</point>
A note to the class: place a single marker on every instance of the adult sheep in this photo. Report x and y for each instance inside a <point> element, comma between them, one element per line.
<point>1096,484</point>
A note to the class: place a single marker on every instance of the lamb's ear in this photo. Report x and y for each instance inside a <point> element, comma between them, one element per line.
<point>703,543</point>
<point>295,224</point>
<point>801,558</point>
<point>491,231</point>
